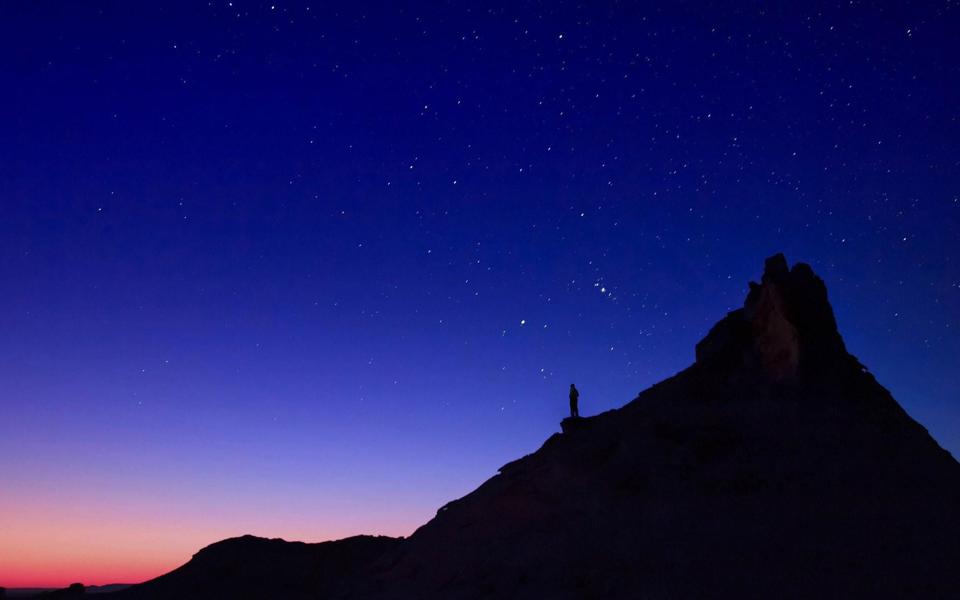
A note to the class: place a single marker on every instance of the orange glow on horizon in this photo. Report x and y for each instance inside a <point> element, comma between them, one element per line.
<point>52,552</point>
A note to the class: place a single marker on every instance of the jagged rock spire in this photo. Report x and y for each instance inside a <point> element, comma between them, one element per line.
<point>786,326</point>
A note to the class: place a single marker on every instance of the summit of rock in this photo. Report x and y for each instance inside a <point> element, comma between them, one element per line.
<point>786,327</point>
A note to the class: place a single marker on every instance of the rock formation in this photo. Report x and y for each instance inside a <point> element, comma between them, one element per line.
<point>773,467</point>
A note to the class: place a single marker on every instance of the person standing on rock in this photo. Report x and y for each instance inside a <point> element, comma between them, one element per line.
<point>574,397</point>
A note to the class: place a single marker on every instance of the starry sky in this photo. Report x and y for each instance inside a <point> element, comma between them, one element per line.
<point>309,270</point>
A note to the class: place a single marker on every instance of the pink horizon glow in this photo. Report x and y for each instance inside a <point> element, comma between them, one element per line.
<point>34,556</point>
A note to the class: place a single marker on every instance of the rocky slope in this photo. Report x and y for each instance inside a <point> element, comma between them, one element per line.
<point>774,466</point>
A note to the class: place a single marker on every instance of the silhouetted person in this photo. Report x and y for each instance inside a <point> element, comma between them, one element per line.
<point>574,396</point>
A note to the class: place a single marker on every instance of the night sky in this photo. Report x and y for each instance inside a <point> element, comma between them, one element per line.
<point>307,270</point>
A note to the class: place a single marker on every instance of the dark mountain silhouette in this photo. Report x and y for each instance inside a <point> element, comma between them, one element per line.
<point>773,467</point>
<point>248,568</point>
<point>76,590</point>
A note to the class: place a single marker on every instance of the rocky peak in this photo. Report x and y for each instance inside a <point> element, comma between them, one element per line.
<point>773,468</point>
<point>785,329</point>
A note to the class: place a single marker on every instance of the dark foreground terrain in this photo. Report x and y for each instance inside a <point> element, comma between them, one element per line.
<point>77,590</point>
<point>773,467</point>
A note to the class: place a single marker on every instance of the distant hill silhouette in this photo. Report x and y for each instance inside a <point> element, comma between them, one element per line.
<point>71,592</point>
<point>773,467</point>
<point>248,568</point>
<point>76,590</point>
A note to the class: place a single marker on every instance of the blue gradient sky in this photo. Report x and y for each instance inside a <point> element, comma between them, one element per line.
<point>309,270</point>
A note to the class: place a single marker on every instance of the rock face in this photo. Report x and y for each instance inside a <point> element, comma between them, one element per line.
<point>773,467</point>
